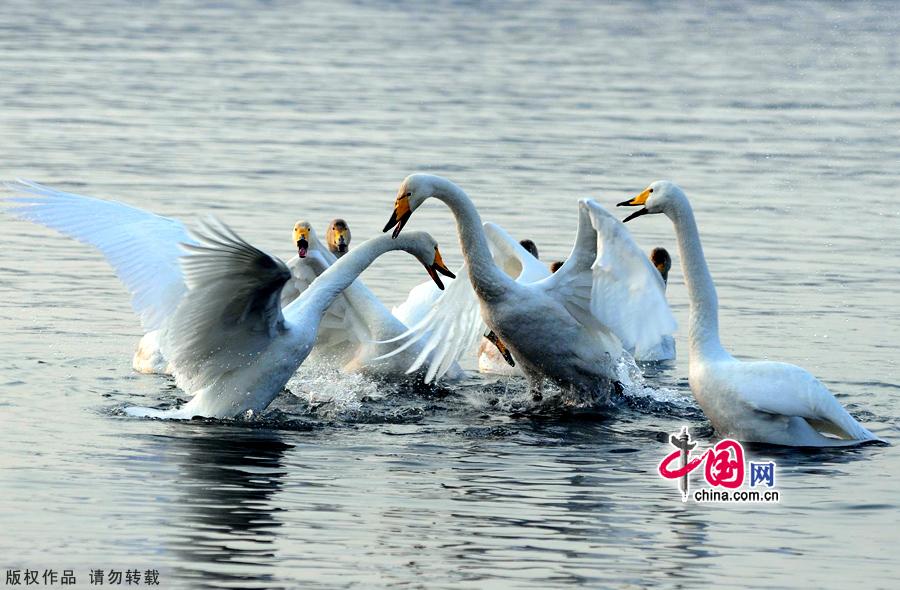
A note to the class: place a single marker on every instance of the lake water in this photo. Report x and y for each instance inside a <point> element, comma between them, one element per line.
<point>780,120</point>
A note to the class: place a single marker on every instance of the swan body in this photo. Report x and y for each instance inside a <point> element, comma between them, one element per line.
<point>519,260</point>
<point>568,328</point>
<point>765,402</point>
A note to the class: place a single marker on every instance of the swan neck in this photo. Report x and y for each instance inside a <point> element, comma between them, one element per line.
<point>488,280</point>
<point>703,325</point>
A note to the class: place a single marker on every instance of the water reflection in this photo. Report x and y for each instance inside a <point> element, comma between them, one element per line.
<point>227,525</point>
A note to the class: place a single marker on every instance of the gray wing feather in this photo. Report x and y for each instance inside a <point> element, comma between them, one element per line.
<point>231,311</point>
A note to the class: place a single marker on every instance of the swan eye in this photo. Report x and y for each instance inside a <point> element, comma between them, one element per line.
<point>651,190</point>
<point>408,195</point>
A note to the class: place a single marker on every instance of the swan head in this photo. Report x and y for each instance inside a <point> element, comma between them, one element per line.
<point>425,248</point>
<point>531,247</point>
<point>338,237</point>
<point>662,261</point>
<point>303,236</point>
<point>414,190</point>
<point>656,198</point>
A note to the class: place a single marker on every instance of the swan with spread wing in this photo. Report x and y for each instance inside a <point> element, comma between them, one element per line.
<point>143,249</point>
<point>763,401</point>
<point>230,343</point>
<point>571,327</point>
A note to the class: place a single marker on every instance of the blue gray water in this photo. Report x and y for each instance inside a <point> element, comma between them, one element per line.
<point>780,120</point>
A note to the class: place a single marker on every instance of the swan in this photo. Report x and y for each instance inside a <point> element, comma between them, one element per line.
<point>568,328</point>
<point>762,401</point>
<point>230,343</point>
<point>143,249</point>
<point>313,256</point>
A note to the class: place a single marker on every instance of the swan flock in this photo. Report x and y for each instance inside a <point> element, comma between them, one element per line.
<point>232,324</point>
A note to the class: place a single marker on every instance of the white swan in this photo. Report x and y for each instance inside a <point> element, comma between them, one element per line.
<point>311,260</point>
<point>766,402</point>
<point>569,327</point>
<point>230,343</point>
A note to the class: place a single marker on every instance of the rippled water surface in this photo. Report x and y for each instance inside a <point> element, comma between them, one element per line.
<point>780,120</point>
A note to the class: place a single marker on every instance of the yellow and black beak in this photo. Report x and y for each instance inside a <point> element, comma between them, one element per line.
<point>343,241</point>
<point>399,217</point>
<point>636,202</point>
<point>495,340</point>
<point>301,238</point>
<point>436,267</point>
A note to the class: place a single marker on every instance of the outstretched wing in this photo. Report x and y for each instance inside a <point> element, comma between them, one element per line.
<point>450,328</point>
<point>609,280</point>
<point>231,311</point>
<point>142,248</point>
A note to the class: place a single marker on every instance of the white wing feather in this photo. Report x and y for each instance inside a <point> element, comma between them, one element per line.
<point>629,295</point>
<point>509,255</point>
<point>452,327</point>
<point>142,248</point>
<point>608,280</point>
<point>788,390</point>
<point>231,311</point>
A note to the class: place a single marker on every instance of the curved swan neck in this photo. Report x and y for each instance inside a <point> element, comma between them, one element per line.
<point>487,279</point>
<point>703,330</point>
<point>340,275</point>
